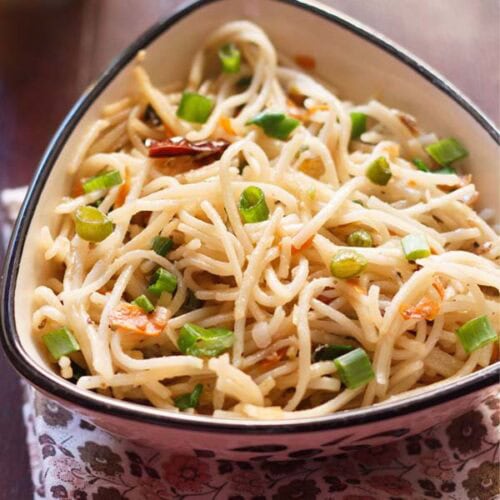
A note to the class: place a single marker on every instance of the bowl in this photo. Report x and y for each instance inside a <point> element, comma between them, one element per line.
<point>360,64</point>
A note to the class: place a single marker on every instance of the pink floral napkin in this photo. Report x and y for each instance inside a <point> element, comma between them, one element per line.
<point>73,459</point>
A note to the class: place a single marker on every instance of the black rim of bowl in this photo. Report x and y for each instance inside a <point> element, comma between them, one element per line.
<point>55,386</point>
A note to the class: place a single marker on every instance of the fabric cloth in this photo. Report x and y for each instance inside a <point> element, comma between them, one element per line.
<point>73,459</point>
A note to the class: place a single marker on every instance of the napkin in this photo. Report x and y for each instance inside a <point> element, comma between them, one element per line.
<point>72,458</point>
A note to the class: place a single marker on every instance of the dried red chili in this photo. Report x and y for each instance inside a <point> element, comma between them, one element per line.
<point>178,146</point>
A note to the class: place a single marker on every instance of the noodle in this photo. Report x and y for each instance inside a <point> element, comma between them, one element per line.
<point>265,281</point>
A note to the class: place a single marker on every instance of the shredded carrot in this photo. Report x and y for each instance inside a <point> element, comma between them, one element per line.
<point>305,62</point>
<point>129,318</point>
<point>225,123</point>
<point>123,191</point>
<point>426,308</point>
<point>274,358</point>
<point>77,189</point>
<point>305,246</point>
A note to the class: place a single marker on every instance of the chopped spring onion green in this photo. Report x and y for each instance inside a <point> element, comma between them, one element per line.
<point>415,247</point>
<point>329,352</point>
<point>195,108</point>
<point>354,368</point>
<point>230,58</point>
<point>358,121</point>
<point>91,224</point>
<point>360,238</point>
<point>162,245</point>
<point>379,171</point>
<point>275,125</point>
<point>105,180</point>
<point>476,333</point>
<point>253,206</point>
<point>421,165</point>
<point>445,170</point>
<point>144,303</point>
<point>60,342</point>
<point>446,151</point>
<point>163,281</point>
<point>189,400</point>
<point>209,342</point>
<point>347,264</point>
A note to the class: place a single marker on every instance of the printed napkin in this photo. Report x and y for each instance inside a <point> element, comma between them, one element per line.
<point>71,458</point>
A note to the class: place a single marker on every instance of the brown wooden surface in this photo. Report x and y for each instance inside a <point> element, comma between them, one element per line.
<point>50,50</point>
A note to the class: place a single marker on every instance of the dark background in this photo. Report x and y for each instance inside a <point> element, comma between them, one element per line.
<point>50,50</point>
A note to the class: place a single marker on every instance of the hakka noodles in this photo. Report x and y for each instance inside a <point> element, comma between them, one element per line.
<point>247,245</point>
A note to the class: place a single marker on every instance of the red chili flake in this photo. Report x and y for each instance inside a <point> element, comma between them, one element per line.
<point>178,146</point>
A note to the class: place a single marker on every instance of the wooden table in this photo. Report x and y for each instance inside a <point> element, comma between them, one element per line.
<point>50,51</point>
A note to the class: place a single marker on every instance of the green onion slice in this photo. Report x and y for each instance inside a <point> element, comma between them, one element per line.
<point>275,125</point>
<point>415,247</point>
<point>360,238</point>
<point>195,108</point>
<point>163,281</point>
<point>446,151</point>
<point>230,58</point>
<point>421,165</point>
<point>253,206</point>
<point>379,171</point>
<point>347,264</point>
<point>358,124</point>
<point>91,224</point>
<point>162,245</point>
<point>354,368</point>
<point>476,333</point>
<point>60,342</point>
<point>144,303</point>
<point>329,352</point>
<point>204,342</point>
<point>105,180</point>
<point>189,400</point>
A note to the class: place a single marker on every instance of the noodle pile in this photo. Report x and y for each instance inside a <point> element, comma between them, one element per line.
<point>269,282</point>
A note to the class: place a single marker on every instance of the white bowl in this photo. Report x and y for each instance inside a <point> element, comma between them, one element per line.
<point>361,65</point>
